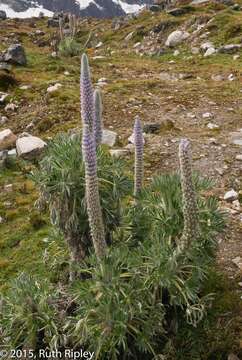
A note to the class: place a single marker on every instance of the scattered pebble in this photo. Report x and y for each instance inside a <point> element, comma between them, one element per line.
<point>231,195</point>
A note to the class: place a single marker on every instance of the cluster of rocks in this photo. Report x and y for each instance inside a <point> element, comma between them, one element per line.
<point>25,146</point>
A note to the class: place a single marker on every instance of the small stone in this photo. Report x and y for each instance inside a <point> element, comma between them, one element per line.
<point>109,137</point>
<point>99,45</point>
<point>229,49</point>
<point>210,51</point>
<point>212,126</point>
<point>207,115</point>
<point>12,153</point>
<point>8,188</point>
<point>11,107</point>
<point>231,195</point>
<point>25,87</point>
<point>236,57</point>
<point>129,36</point>
<point>54,88</point>
<point>207,45</point>
<point>231,77</point>
<point>239,157</point>
<point>176,53</point>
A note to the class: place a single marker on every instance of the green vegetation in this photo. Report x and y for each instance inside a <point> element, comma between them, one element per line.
<point>47,258</point>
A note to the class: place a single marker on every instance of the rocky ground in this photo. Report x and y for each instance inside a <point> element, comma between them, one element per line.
<point>188,85</point>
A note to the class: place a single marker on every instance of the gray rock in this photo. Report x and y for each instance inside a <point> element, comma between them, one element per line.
<point>236,138</point>
<point>16,55</point>
<point>205,46</point>
<point>3,15</point>
<point>210,51</point>
<point>239,157</point>
<point>7,139</point>
<point>29,147</point>
<point>231,195</point>
<point>176,38</point>
<point>230,48</point>
<point>151,128</point>
<point>12,153</point>
<point>120,153</point>
<point>109,137</point>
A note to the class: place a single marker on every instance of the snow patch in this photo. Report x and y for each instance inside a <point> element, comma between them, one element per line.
<point>85,3</point>
<point>129,8</point>
<point>31,12</point>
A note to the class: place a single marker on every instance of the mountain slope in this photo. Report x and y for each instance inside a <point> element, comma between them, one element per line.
<point>94,8</point>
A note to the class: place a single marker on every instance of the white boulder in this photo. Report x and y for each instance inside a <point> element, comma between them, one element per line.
<point>176,38</point>
<point>28,147</point>
<point>109,137</point>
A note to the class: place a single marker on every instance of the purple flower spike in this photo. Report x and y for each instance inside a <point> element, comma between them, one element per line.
<point>190,210</point>
<point>92,193</point>
<point>98,124</point>
<point>87,101</point>
<point>139,150</point>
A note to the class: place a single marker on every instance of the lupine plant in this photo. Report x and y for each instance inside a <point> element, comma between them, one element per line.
<point>92,192</point>
<point>190,211</point>
<point>98,125</point>
<point>143,263</point>
<point>139,148</point>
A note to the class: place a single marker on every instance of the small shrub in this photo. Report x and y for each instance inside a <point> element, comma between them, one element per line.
<point>69,47</point>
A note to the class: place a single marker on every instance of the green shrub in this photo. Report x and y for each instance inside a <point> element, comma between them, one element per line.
<point>62,184</point>
<point>69,47</point>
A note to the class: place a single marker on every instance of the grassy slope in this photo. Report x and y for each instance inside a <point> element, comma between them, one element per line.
<point>25,236</point>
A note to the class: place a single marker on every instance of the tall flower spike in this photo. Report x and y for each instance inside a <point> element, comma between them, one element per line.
<point>139,150</point>
<point>98,124</point>
<point>92,193</point>
<point>190,210</point>
<point>87,101</point>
